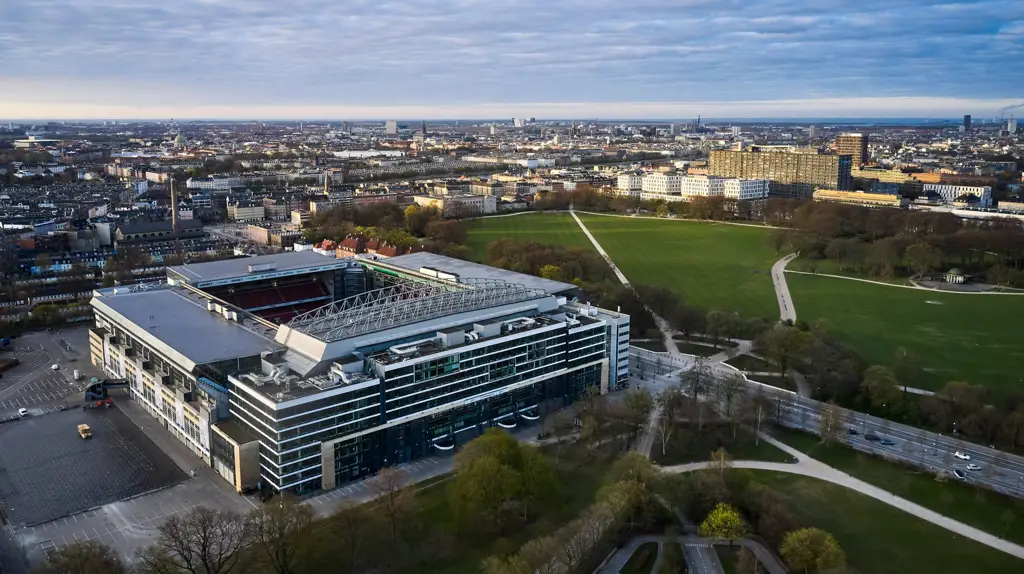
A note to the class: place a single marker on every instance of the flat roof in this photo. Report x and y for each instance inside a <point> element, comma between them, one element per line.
<point>231,268</point>
<point>199,335</point>
<point>468,269</point>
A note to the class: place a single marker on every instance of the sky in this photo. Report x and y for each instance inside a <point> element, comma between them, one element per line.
<point>362,59</point>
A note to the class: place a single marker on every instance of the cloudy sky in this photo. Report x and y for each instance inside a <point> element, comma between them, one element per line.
<point>503,58</point>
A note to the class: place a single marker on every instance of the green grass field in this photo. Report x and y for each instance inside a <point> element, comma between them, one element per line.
<point>983,509</point>
<point>713,265</point>
<point>557,228</point>
<point>973,338</point>
<point>881,539</point>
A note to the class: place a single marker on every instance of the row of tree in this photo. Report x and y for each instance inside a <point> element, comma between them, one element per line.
<point>885,243</point>
<point>413,226</point>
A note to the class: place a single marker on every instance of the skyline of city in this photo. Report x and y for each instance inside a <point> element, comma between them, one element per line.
<point>467,59</point>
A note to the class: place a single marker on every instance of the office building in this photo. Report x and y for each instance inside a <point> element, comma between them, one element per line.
<point>459,205</point>
<point>959,193</point>
<point>967,122</point>
<point>409,358</point>
<point>391,127</point>
<point>789,174</point>
<point>855,146</point>
<point>629,184</point>
<point>736,131</point>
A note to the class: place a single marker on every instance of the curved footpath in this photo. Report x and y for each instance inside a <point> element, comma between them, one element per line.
<point>807,466</point>
<point>914,286</point>
<point>787,311</point>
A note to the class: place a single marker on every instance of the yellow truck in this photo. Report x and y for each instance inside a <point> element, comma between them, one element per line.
<point>84,431</point>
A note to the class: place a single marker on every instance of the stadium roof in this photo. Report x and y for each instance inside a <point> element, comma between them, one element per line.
<point>470,270</point>
<point>181,326</point>
<point>231,268</point>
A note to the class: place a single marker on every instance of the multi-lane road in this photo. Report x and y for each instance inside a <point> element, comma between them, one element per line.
<point>931,451</point>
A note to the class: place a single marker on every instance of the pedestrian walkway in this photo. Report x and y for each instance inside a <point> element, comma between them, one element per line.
<point>810,467</point>
<point>787,310</point>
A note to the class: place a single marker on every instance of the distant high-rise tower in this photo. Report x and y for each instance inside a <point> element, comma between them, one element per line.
<point>812,131</point>
<point>736,131</point>
<point>423,128</point>
<point>1011,125</point>
<point>494,131</point>
<point>967,122</point>
<point>855,145</point>
<point>391,127</point>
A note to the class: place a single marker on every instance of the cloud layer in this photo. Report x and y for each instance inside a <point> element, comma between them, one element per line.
<point>296,57</point>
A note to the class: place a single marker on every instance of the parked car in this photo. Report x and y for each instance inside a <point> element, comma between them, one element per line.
<point>22,412</point>
<point>973,466</point>
<point>962,455</point>
<point>852,431</point>
<point>959,474</point>
<point>872,437</point>
<point>55,367</point>
<point>886,442</point>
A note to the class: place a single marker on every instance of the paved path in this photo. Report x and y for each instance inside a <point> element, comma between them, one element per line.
<point>807,466</point>
<point>915,287</point>
<point>787,311</point>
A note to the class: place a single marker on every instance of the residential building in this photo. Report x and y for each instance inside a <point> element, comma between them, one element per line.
<point>855,146</point>
<point>746,189</point>
<point>459,204</point>
<point>662,183</point>
<point>952,193</point>
<point>243,210</point>
<point>414,358</point>
<point>1011,206</point>
<point>300,217</point>
<point>212,183</point>
<point>789,174</point>
<point>629,184</point>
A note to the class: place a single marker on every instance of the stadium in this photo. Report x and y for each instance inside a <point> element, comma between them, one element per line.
<point>297,372</point>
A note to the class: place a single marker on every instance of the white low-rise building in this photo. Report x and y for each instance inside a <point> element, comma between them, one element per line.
<point>746,189</point>
<point>663,183</point>
<point>629,184</point>
<point>213,183</point>
<point>950,193</point>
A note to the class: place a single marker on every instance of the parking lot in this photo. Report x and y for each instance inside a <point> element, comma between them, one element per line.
<point>33,384</point>
<point>48,471</point>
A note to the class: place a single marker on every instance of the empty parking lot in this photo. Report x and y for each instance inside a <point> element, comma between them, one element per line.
<point>47,471</point>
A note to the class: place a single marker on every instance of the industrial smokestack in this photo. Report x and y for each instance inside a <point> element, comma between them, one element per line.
<point>327,181</point>
<point>174,210</point>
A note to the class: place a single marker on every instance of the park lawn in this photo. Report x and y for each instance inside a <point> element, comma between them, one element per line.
<point>981,508</point>
<point>657,346</point>
<point>750,363</point>
<point>556,228</point>
<point>642,559</point>
<point>777,381</point>
<point>962,337</point>
<point>687,445</point>
<point>831,267</point>
<point>581,472</point>
<point>879,538</point>
<point>697,349</point>
<point>712,265</point>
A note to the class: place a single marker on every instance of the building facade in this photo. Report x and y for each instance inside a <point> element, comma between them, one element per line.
<point>662,183</point>
<point>860,198</point>
<point>406,363</point>
<point>855,146</point>
<point>952,193</point>
<point>789,174</point>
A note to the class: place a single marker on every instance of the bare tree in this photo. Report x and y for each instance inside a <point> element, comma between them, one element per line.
<point>281,532</point>
<point>351,525</point>
<point>671,402</point>
<point>759,408</point>
<point>731,387</point>
<point>830,423</point>
<point>720,461</point>
<point>82,558</point>
<point>201,541</point>
<point>396,501</point>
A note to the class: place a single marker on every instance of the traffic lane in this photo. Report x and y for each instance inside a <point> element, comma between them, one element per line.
<point>1002,481</point>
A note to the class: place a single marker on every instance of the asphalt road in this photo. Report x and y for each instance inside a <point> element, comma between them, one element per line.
<point>1002,472</point>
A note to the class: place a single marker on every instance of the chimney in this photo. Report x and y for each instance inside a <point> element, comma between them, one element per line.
<point>174,210</point>
<point>327,182</point>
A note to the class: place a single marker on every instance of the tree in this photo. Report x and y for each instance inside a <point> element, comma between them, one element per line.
<point>812,550</point>
<point>670,405</point>
<point>688,320</point>
<point>512,564</point>
<point>782,345</point>
<point>281,531</point>
<point>725,522</point>
<point>759,407</point>
<point>550,272</point>
<point>720,461</point>
<point>731,387</point>
<point>720,324</point>
<point>639,404</point>
<point>830,423</point>
<point>82,558</point>
<point>747,563</point>
<point>350,526</point>
<point>879,387</point>
<point>43,262</point>
<point>201,541</point>
<point>672,560</point>
<point>396,501</point>
<point>907,367</point>
<point>539,481</point>
<point>923,257</point>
